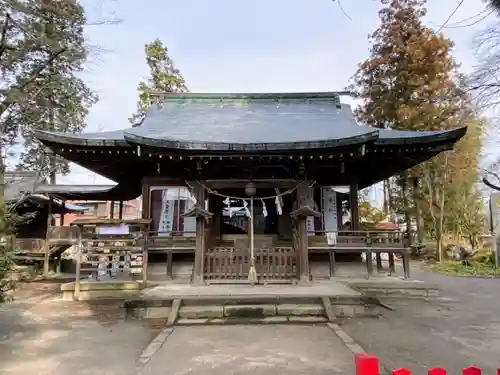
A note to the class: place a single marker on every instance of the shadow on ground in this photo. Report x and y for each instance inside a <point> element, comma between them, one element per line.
<point>459,330</point>
<point>40,334</point>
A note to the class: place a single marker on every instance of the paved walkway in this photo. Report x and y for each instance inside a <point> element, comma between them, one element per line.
<point>41,336</point>
<point>252,350</point>
<point>453,333</point>
<point>61,338</point>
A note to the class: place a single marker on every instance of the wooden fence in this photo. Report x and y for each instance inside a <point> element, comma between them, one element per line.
<point>368,364</point>
<point>274,264</point>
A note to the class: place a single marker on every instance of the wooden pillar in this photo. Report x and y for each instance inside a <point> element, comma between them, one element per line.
<point>76,292</point>
<point>112,210</point>
<point>61,219</point>
<point>202,216</point>
<point>46,259</point>
<point>215,206</point>
<point>120,210</point>
<point>354,204</point>
<point>217,211</point>
<point>145,243</point>
<point>305,204</point>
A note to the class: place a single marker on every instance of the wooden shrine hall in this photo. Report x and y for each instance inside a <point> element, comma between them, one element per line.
<point>246,182</point>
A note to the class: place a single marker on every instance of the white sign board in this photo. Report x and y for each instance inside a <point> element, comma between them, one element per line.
<point>310,226</point>
<point>329,209</point>
<point>122,229</point>
<point>167,214</point>
<point>331,238</point>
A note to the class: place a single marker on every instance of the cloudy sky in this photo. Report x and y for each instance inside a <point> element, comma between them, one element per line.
<point>241,46</point>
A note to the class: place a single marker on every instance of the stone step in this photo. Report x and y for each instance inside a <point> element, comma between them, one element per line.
<point>314,310</point>
<point>266,320</point>
<point>408,289</point>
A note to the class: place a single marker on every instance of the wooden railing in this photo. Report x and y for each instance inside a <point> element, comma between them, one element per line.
<point>170,244</point>
<point>223,264</point>
<point>57,234</point>
<point>367,242</point>
<point>164,242</point>
<point>354,239</point>
<point>29,245</point>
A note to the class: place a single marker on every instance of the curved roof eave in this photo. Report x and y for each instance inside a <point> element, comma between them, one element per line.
<point>101,139</point>
<point>250,147</point>
<point>121,191</point>
<point>389,137</point>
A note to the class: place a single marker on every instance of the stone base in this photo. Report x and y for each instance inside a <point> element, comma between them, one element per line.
<point>104,289</point>
<point>253,309</point>
<point>408,289</point>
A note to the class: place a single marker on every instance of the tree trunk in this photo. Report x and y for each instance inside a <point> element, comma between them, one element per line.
<point>439,249</point>
<point>418,210</point>
<point>404,188</point>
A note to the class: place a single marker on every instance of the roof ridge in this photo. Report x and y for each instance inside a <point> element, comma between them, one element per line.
<point>277,96</point>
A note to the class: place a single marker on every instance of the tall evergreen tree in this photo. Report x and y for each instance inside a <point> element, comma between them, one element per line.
<point>407,80</point>
<point>63,100</point>
<point>164,77</point>
<point>411,82</point>
<point>494,4</point>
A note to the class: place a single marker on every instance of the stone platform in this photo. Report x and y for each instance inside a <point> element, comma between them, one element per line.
<point>91,289</point>
<point>316,302</point>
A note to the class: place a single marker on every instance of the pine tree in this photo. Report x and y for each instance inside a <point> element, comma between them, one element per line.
<point>164,77</point>
<point>63,99</point>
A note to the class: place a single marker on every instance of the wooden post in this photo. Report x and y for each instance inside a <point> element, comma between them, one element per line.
<point>392,266</point>
<point>112,210</point>
<point>61,220</point>
<point>378,259</point>
<point>169,264</point>
<point>217,211</point>
<point>303,250</point>
<point>331,254</point>
<point>202,216</point>
<point>199,194</point>
<point>214,205</point>
<point>353,203</point>
<point>369,261</point>
<point>200,251</point>
<point>120,210</point>
<point>144,253</point>
<point>46,259</point>
<point>76,293</point>
<point>305,208</point>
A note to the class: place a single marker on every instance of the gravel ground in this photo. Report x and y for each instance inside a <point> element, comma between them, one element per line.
<point>40,334</point>
<point>459,330</point>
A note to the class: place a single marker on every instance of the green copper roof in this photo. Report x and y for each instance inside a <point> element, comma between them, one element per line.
<point>248,123</point>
